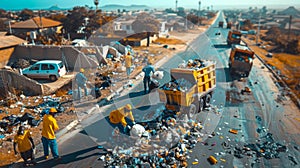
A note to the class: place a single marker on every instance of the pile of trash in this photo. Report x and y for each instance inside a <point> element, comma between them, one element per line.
<point>177,85</point>
<point>268,149</point>
<point>33,118</point>
<point>193,64</point>
<point>163,142</point>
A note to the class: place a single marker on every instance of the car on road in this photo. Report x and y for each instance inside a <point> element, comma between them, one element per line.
<point>270,55</point>
<point>46,69</point>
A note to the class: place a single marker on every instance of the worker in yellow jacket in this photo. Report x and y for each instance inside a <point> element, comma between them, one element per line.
<point>128,64</point>
<point>118,116</point>
<point>48,134</point>
<point>25,145</point>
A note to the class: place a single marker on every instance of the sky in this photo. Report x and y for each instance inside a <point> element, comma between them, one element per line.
<point>42,4</point>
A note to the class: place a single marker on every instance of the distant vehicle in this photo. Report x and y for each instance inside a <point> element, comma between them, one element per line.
<point>252,32</point>
<point>221,23</point>
<point>46,69</point>
<point>240,60</point>
<point>229,24</point>
<point>218,33</point>
<point>234,37</point>
<point>270,55</point>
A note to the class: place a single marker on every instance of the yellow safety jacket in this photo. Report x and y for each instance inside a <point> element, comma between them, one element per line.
<point>49,126</point>
<point>118,116</point>
<point>23,141</point>
<point>128,60</point>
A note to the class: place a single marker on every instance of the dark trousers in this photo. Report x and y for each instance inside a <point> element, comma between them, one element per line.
<point>146,83</point>
<point>26,155</point>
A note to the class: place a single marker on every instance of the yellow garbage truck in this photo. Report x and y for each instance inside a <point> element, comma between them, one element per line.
<point>240,61</point>
<point>234,37</point>
<point>191,87</point>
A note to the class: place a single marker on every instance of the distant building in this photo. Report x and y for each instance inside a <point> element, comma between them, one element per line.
<point>36,25</point>
<point>124,25</point>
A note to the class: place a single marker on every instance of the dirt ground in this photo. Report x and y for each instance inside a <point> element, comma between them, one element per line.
<point>286,65</point>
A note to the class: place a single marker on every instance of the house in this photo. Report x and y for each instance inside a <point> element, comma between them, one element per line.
<point>269,25</point>
<point>36,25</point>
<point>7,47</point>
<point>124,25</point>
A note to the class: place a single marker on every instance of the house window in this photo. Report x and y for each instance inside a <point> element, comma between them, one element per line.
<point>127,27</point>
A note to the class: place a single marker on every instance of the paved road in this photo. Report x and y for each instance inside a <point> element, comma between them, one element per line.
<point>246,113</point>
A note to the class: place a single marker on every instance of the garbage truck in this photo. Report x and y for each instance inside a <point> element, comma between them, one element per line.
<point>221,23</point>
<point>234,37</point>
<point>191,87</point>
<point>240,60</point>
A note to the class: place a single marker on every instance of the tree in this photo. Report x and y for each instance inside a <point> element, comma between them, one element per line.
<point>145,23</point>
<point>3,13</point>
<point>26,14</point>
<point>75,19</point>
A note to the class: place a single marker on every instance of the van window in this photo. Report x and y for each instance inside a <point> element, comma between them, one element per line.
<point>60,65</point>
<point>35,67</point>
<point>45,67</point>
<point>51,67</point>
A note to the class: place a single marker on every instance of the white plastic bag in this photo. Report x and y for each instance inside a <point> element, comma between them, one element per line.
<point>137,130</point>
<point>158,75</point>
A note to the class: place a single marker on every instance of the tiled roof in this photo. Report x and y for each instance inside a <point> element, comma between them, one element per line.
<point>8,41</point>
<point>36,23</point>
<point>2,33</point>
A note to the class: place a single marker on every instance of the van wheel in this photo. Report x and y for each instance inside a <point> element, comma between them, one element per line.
<point>52,78</point>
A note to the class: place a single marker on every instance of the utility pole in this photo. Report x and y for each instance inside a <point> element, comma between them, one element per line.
<point>199,7</point>
<point>96,2</point>
<point>176,5</point>
<point>290,25</point>
<point>257,34</point>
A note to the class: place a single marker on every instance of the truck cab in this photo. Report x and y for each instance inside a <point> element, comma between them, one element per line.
<point>234,37</point>
<point>240,60</point>
<point>221,24</point>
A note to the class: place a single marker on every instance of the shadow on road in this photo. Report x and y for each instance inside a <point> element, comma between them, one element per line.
<point>65,159</point>
<point>221,46</point>
<point>227,78</point>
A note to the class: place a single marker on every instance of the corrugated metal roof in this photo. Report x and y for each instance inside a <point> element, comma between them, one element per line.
<point>8,41</point>
<point>36,23</point>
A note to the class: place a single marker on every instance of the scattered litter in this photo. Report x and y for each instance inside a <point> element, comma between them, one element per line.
<point>233,131</point>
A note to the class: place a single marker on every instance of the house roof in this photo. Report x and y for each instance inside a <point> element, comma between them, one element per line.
<point>36,23</point>
<point>2,33</point>
<point>9,41</point>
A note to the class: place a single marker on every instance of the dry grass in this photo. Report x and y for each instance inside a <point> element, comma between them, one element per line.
<point>169,41</point>
<point>287,65</point>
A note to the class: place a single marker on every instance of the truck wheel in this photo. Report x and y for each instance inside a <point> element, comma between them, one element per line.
<point>201,104</point>
<point>192,111</point>
<point>52,78</point>
<point>207,100</point>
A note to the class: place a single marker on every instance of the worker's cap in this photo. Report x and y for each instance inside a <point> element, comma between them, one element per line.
<point>81,70</point>
<point>128,107</point>
<point>53,110</point>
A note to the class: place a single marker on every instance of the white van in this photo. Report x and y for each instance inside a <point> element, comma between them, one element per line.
<point>46,69</point>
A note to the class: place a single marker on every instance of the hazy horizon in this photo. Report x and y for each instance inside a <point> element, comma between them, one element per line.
<point>188,4</point>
